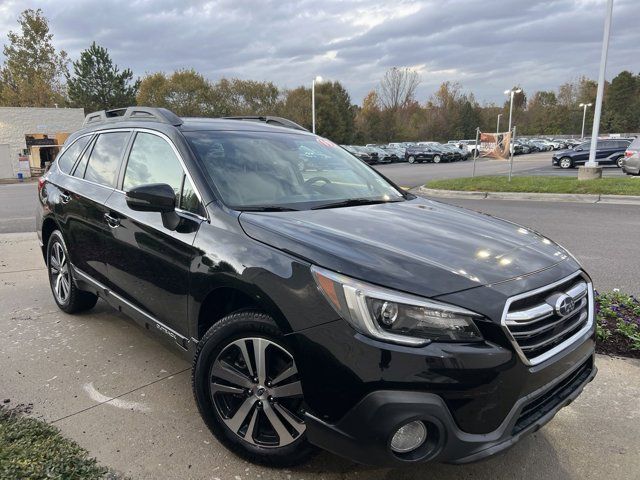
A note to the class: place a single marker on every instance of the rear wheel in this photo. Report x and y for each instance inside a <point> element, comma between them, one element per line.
<point>246,384</point>
<point>412,159</point>
<point>619,162</point>
<point>565,162</point>
<point>67,295</point>
<point>436,159</point>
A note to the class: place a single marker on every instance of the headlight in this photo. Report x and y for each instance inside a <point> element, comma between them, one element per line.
<point>394,316</point>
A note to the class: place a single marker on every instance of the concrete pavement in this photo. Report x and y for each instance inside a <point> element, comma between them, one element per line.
<point>126,398</point>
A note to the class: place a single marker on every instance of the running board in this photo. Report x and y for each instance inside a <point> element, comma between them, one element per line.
<point>141,317</point>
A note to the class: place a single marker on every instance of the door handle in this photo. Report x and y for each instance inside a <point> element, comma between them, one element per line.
<point>65,197</point>
<point>113,222</point>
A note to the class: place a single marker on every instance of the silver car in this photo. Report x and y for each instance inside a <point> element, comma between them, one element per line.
<point>631,162</point>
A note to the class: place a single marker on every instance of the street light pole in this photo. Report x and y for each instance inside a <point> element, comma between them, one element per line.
<point>318,79</point>
<point>584,116</point>
<point>603,66</point>
<point>513,91</point>
<point>498,126</point>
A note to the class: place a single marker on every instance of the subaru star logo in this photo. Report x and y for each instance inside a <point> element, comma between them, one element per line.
<point>564,305</point>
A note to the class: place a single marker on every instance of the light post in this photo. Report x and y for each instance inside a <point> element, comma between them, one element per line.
<point>318,79</point>
<point>498,126</point>
<point>512,92</point>
<point>589,168</point>
<point>584,116</point>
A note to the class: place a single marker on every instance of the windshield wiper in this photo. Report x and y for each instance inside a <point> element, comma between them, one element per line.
<point>353,202</point>
<point>267,208</point>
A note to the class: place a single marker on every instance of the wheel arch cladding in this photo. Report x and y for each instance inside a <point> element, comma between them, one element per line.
<point>49,225</point>
<point>223,300</point>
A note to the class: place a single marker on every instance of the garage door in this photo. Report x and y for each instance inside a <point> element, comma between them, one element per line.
<point>6,171</point>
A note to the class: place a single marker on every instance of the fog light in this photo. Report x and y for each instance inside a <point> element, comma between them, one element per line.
<point>409,437</point>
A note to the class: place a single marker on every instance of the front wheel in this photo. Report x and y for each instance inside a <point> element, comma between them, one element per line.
<point>619,162</point>
<point>565,162</point>
<point>412,159</point>
<point>67,295</point>
<point>437,159</point>
<point>248,391</point>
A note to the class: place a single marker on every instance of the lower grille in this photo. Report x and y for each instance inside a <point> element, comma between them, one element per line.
<point>543,322</point>
<point>543,404</point>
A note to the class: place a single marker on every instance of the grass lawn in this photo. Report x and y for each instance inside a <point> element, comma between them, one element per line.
<point>540,184</point>
<point>31,449</point>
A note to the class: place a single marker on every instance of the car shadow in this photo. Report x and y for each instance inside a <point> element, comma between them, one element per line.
<point>534,457</point>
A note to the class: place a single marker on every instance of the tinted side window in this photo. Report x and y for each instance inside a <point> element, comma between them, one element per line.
<point>82,163</point>
<point>70,155</point>
<point>189,200</point>
<point>105,158</point>
<point>152,161</point>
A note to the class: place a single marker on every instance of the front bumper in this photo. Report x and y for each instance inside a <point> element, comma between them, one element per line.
<point>365,432</point>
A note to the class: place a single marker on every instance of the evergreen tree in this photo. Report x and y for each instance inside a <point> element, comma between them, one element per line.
<point>98,84</point>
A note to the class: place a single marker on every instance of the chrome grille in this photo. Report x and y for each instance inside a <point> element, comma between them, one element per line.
<point>543,322</point>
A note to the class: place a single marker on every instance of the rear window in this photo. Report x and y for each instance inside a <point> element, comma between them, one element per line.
<point>71,153</point>
<point>635,145</point>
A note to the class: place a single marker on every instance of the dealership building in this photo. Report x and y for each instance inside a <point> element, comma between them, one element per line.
<point>30,138</point>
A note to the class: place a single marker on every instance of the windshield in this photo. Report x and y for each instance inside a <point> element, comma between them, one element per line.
<point>286,171</point>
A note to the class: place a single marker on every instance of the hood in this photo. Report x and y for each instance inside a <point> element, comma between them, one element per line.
<point>419,246</point>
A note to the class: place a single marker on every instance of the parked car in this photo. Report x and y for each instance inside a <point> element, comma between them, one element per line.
<point>397,154</point>
<point>471,146</point>
<point>454,150</point>
<point>360,153</point>
<point>378,153</point>
<point>332,310</point>
<point>428,152</point>
<point>631,162</point>
<point>608,152</point>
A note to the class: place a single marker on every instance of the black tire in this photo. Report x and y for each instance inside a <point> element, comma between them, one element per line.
<point>67,295</point>
<point>565,162</point>
<point>241,326</point>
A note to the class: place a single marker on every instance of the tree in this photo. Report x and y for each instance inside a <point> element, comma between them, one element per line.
<point>296,106</point>
<point>621,104</point>
<point>33,70</point>
<point>98,84</point>
<point>398,87</point>
<point>334,112</point>
<point>185,92</point>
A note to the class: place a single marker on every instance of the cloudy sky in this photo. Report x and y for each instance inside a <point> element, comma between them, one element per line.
<point>486,45</point>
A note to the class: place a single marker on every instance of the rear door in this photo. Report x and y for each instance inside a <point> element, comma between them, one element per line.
<point>80,209</point>
<point>148,264</point>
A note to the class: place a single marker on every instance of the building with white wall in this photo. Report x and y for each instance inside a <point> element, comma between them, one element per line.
<point>46,125</point>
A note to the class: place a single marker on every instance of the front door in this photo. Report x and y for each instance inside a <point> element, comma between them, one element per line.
<point>148,264</point>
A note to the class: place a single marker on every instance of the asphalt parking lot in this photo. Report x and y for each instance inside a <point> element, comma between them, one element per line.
<point>412,175</point>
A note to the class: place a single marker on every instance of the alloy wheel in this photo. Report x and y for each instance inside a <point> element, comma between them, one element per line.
<point>59,273</point>
<point>565,162</point>
<point>256,392</point>
<point>412,159</point>
<point>436,159</point>
<point>619,162</point>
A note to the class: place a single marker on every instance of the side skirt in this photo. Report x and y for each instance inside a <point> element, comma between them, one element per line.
<point>142,318</point>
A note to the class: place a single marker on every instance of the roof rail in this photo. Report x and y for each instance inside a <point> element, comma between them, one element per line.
<point>278,121</point>
<point>161,115</point>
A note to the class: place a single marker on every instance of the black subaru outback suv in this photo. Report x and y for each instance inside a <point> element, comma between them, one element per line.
<point>321,306</point>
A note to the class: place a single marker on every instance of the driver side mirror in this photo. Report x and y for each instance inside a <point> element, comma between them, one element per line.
<point>155,197</point>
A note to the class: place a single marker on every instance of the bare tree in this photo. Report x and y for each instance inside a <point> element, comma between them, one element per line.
<point>398,87</point>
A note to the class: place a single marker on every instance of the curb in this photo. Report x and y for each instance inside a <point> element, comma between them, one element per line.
<point>537,197</point>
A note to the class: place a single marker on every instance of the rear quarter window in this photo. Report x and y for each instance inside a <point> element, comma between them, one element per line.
<point>635,145</point>
<point>67,160</point>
